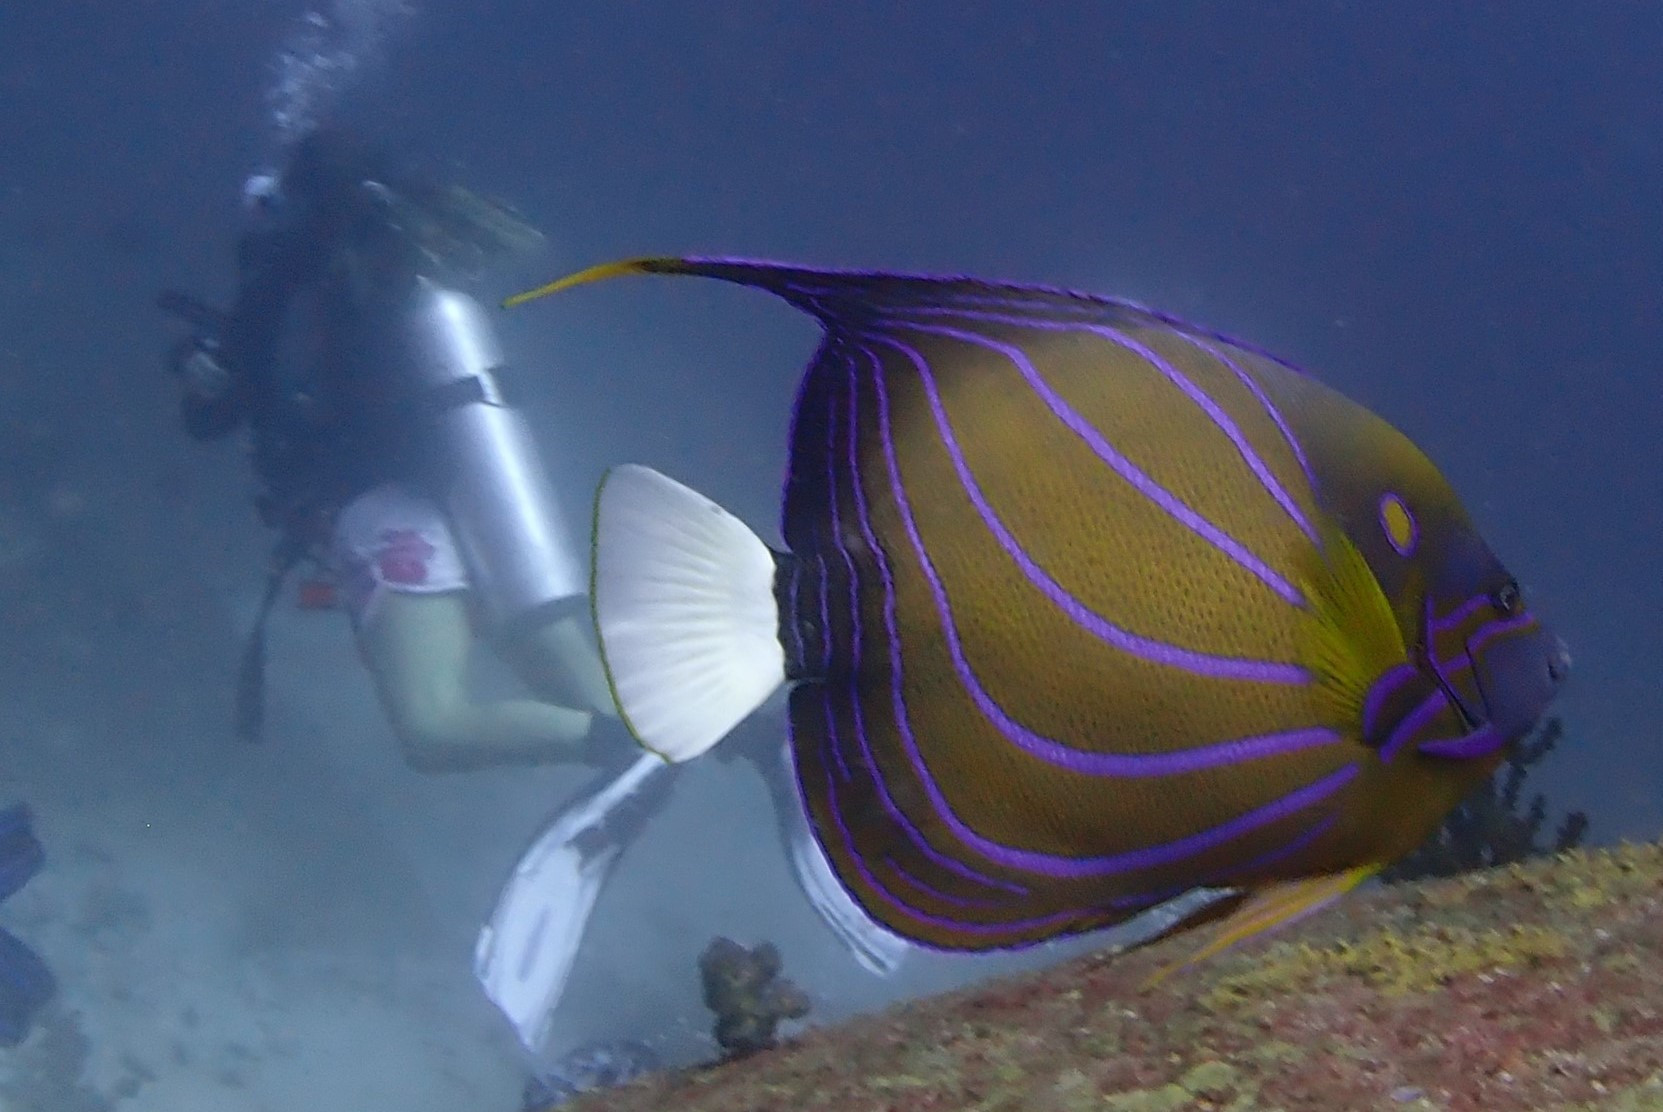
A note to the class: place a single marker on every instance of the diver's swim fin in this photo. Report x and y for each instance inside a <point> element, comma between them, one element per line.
<point>25,987</point>
<point>525,951</point>
<point>20,852</point>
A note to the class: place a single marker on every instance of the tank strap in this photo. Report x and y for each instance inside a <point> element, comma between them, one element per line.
<point>458,392</point>
<point>250,707</point>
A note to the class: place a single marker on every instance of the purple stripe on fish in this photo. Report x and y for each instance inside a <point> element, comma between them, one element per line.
<point>1415,723</point>
<point>935,893</point>
<point>827,646</point>
<point>1381,691</point>
<point>1457,617</point>
<point>1132,903</point>
<point>1226,878</point>
<point>1064,756</point>
<point>1475,644</point>
<point>1446,669</point>
<point>849,563</point>
<point>1493,630</point>
<point>1482,742</point>
<point>1048,864</point>
<point>1145,648</point>
<point>852,476</point>
<point>1198,397</point>
<point>1125,468</point>
<point>853,580</point>
<point>1273,411</point>
<point>954,925</point>
<point>1490,631</point>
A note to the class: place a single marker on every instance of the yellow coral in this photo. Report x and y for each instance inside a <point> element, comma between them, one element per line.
<point>1394,963</point>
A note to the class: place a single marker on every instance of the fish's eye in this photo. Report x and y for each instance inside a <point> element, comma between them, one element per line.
<point>1506,598</point>
<point>1402,532</point>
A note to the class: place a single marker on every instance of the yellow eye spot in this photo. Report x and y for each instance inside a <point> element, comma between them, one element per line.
<point>1399,524</point>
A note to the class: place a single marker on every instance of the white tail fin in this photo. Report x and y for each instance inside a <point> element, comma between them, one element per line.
<point>684,606</point>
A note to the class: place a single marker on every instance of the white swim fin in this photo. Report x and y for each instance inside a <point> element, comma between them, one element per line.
<point>525,952</point>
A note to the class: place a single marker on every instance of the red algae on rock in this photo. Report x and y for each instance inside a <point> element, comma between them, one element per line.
<point>1536,986</point>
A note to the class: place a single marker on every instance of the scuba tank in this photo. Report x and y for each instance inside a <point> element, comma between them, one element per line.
<point>487,475</point>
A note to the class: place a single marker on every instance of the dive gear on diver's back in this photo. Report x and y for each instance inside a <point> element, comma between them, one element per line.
<point>204,318</point>
<point>490,478</point>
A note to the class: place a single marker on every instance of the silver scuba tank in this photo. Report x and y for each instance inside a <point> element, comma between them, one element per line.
<point>490,479</point>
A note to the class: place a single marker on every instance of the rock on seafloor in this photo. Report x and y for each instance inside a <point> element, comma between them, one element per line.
<point>1536,986</point>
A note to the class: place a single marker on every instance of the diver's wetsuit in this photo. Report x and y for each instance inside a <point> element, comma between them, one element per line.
<point>327,424</point>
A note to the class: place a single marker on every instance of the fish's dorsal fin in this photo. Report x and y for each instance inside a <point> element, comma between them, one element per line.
<point>832,295</point>
<point>646,264</point>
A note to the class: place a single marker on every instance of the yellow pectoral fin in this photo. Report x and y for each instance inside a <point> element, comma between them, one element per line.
<point>1268,909</point>
<point>1353,637</point>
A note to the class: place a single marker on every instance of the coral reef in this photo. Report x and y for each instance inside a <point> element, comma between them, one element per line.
<point>586,1070</point>
<point>750,998</point>
<point>1532,986</point>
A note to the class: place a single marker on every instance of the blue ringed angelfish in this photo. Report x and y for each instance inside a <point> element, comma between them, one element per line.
<point>1081,607</point>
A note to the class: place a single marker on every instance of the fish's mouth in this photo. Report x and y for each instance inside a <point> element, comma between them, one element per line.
<point>1470,717</point>
<point>1515,679</point>
<point>1498,687</point>
<point>1472,708</point>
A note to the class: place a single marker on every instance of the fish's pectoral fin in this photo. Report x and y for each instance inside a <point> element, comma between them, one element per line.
<point>683,599</point>
<point>1267,909</point>
<point>1353,637</point>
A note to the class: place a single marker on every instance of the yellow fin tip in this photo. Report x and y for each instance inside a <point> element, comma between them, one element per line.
<point>645,264</point>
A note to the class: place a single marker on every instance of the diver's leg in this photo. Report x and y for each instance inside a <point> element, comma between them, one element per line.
<point>557,660</point>
<point>406,588</point>
<point>416,647</point>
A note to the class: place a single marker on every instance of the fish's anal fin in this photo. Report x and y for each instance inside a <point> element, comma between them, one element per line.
<point>1268,909</point>
<point>683,599</point>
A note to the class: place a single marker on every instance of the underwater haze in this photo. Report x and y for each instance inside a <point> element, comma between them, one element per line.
<point>1448,210</point>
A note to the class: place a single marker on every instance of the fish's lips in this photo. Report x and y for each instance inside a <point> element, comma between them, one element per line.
<point>1519,677</point>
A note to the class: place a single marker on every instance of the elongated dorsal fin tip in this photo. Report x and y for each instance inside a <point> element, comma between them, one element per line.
<point>643,264</point>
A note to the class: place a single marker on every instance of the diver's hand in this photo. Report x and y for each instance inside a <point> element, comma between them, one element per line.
<point>204,377</point>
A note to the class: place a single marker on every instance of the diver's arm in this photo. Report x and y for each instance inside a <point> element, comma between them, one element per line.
<point>226,378</point>
<point>222,368</point>
<point>211,405</point>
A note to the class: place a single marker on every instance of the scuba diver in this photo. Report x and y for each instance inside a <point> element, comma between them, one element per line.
<point>25,982</point>
<point>387,457</point>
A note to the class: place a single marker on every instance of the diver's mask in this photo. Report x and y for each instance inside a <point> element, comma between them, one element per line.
<point>262,197</point>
